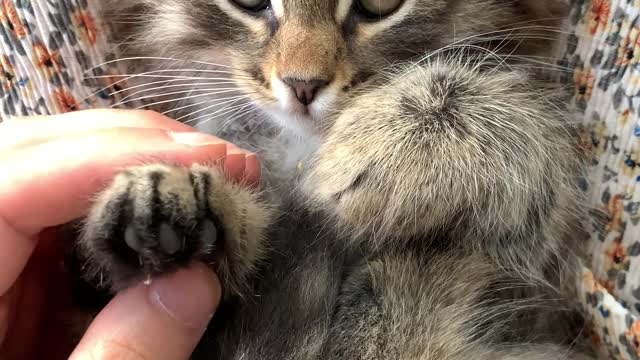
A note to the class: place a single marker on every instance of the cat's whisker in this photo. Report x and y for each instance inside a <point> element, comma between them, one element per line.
<point>231,100</point>
<point>502,57</point>
<point>228,117</point>
<point>503,62</point>
<point>515,29</point>
<point>164,71</point>
<point>235,117</point>
<point>489,54</point>
<point>167,82</point>
<point>545,68</point>
<point>514,38</point>
<point>195,104</point>
<point>225,107</point>
<point>208,91</point>
<point>459,47</point>
<point>127,77</point>
<point>189,85</point>
<point>510,33</point>
<point>159,58</point>
<point>539,20</point>
<point>143,75</point>
<point>228,111</point>
<point>534,60</point>
<point>170,100</point>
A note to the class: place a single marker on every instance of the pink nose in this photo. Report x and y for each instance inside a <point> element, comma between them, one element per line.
<point>305,90</point>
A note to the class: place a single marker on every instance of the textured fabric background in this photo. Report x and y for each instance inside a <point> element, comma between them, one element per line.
<point>53,60</point>
<point>50,52</point>
<point>603,61</point>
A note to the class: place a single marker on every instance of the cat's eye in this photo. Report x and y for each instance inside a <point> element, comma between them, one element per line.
<point>377,8</point>
<point>253,5</point>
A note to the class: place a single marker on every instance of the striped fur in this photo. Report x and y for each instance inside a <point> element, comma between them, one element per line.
<point>427,197</point>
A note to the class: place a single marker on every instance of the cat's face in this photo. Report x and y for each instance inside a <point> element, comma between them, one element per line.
<point>300,59</point>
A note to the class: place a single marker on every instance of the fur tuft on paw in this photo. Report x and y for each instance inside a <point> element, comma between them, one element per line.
<point>155,218</point>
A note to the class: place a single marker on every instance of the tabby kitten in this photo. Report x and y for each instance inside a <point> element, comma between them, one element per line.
<point>419,196</point>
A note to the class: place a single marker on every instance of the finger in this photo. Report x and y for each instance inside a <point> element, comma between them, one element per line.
<point>20,132</point>
<point>5,308</point>
<point>40,301</point>
<point>15,250</point>
<point>64,174</point>
<point>163,321</point>
<point>242,166</point>
<point>252,170</point>
<point>234,163</point>
<point>52,183</point>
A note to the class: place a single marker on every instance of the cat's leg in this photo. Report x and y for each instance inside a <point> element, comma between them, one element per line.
<point>450,156</point>
<point>154,218</point>
<point>449,147</point>
<point>403,305</point>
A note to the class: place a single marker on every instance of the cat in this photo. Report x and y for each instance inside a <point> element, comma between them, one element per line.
<point>420,190</point>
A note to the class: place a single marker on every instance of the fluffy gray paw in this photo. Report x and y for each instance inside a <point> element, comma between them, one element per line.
<point>151,220</point>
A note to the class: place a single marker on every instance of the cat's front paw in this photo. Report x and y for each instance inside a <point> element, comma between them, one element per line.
<point>442,146</point>
<point>153,219</point>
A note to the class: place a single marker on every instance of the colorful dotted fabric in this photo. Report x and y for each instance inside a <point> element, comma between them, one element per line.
<point>50,52</point>
<point>603,61</point>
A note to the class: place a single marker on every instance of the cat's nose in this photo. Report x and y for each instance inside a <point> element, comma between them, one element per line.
<point>305,90</point>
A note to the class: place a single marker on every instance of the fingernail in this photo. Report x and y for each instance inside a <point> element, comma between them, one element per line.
<point>252,160</point>
<point>236,156</point>
<point>190,296</point>
<point>252,170</point>
<point>195,138</point>
<point>235,162</point>
<point>234,150</point>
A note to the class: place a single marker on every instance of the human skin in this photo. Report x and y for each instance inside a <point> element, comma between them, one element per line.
<point>51,167</point>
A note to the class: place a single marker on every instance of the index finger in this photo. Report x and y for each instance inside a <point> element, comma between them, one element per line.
<point>27,131</point>
<point>53,183</point>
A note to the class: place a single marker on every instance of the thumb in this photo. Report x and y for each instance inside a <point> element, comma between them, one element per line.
<point>163,320</point>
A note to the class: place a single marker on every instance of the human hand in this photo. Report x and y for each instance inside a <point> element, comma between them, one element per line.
<point>51,166</point>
